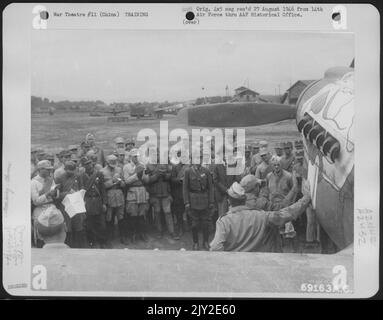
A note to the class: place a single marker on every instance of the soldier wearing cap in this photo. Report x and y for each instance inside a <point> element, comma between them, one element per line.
<point>76,160</point>
<point>95,199</point>
<point>278,149</point>
<point>280,184</point>
<point>69,183</point>
<point>177,177</point>
<point>256,159</point>
<point>252,186</point>
<point>263,170</point>
<point>255,148</point>
<point>120,154</point>
<point>63,157</point>
<point>42,194</point>
<point>92,156</point>
<point>130,144</point>
<point>34,160</point>
<point>51,227</point>
<point>120,143</point>
<point>50,157</point>
<point>73,149</point>
<point>137,198</point>
<point>299,170</point>
<point>40,155</point>
<point>288,157</point>
<point>282,190</point>
<point>198,198</point>
<point>157,179</point>
<point>114,184</point>
<point>247,169</point>
<point>248,230</point>
<point>91,140</point>
<point>222,181</point>
<point>85,147</point>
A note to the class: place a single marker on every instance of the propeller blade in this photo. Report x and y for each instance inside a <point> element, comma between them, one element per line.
<point>238,114</point>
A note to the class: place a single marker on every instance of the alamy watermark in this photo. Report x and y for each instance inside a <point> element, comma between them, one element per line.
<point>228,147</point>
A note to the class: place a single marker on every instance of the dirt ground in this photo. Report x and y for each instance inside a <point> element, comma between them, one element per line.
<point>63,129</point>
<point>60,130</point>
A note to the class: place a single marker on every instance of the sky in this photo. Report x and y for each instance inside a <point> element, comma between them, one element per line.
<point>133,66</point>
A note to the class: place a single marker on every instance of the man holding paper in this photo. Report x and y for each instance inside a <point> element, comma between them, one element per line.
<point>92,181</point>
<point>68,184</point>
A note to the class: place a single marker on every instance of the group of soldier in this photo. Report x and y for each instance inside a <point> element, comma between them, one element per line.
<point>124,191</point>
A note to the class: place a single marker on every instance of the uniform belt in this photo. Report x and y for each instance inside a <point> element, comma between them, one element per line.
<point>199,191</point>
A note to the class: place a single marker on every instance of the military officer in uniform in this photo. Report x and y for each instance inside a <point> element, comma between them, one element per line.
<point>278,149</point>
<point>288,157</point>
<point>68,183</point>
<point>199,200</point>
<point>262,171</point>
<point>255,157</point>
<point>247,169</point>
<point>114,184</point>
<point>120,143</point>
<point>177,176</point>
<point>95,200</point>
<point>137,198</point>
<point>91,140</point>
<point>248,230</point>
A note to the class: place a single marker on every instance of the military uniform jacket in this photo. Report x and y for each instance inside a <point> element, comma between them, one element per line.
<point>242,229</point>
<point>177,177</point>
<point>198,188</point>
<point>114,192</point>
<point>158,180</point>
<point>222,181</point>
<point>287,163</point>
<point>280,188</point>
<point>67,184</point>
<point>95,195</point>
<point>255,160</point>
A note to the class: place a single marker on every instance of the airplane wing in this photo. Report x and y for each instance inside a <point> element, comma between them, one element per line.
<point>115,112</point>
<point>237,114</point>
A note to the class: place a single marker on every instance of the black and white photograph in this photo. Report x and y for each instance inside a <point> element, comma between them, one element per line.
<point>191,162</point>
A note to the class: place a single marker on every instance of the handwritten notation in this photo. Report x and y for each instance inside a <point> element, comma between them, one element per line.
<point>13,238</point>
<point>368,233</point>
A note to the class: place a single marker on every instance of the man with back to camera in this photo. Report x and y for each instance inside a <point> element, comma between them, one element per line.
<point>52,229</point>
<point>254,230</point>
